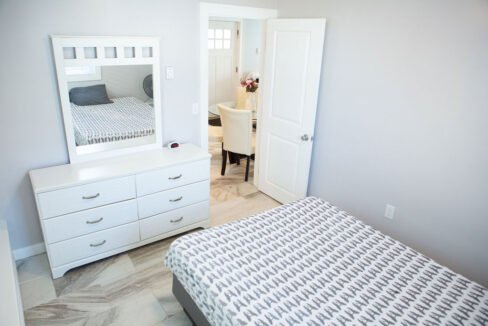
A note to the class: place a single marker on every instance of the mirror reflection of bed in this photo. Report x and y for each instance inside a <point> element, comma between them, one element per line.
<point>111,106</point>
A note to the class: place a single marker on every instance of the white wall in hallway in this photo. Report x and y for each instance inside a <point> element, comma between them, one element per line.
<point>251,42</point>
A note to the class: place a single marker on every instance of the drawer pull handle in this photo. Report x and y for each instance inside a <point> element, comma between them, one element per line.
<point>98,244</point>
<point>176,199</point>
<point>95,221</point>
<point>91,197</point>
<point>175,178</point>
<point>177,220</point>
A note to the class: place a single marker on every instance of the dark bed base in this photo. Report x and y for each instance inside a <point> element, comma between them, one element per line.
<point>189,306</point>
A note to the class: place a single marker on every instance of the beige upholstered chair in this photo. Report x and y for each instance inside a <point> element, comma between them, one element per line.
<point>238,135</point>
<point>242,99</point>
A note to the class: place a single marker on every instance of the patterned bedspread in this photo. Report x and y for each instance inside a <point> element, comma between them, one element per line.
<point>125,118</point>
<point>308,263</point>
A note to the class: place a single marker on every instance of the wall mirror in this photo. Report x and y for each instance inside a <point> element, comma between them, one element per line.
<point>109,89</point>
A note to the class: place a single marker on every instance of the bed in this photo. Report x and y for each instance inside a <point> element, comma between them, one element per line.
<point>125,118</point>
<point>308,263</point>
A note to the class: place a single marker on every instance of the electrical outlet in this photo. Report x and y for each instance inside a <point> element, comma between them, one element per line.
<point>390,211</point>
<point>195,108</point>
<point>170,73</point>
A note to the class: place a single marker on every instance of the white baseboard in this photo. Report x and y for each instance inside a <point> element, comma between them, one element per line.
<point>29,251</point>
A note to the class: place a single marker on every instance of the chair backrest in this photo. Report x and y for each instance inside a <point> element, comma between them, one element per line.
<point>237,130</point>
<point>241,98</point>
<point>245,100</point>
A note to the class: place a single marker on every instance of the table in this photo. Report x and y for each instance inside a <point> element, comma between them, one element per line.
<point>215,111</point>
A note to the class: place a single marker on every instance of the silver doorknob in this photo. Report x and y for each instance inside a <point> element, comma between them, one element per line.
<point>304,137</point>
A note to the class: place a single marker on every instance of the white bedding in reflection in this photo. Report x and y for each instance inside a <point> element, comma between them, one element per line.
<point>125,118</point>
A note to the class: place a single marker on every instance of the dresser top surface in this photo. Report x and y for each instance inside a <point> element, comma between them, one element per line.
<point>66,175</point>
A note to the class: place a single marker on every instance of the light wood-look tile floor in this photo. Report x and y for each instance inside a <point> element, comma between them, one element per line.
<point>132,288</point>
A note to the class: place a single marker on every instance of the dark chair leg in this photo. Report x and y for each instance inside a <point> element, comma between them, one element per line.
<point>232,157</point>
<point>238,158</point>
<point>224,161</point>
<point>247,167</point>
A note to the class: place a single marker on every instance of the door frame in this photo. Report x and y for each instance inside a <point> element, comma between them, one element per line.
<point>216,10</point>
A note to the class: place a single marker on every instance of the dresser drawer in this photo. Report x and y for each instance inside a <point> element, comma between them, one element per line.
<point>172,199</point>
<point>169,221</point>
<point>89,221</point>
<point>92,244</point>
<point>171,177</point>
<point>68,200</point>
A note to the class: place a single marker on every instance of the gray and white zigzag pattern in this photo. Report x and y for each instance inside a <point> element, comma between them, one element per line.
<point>125,118</point>
<point>308,263</point>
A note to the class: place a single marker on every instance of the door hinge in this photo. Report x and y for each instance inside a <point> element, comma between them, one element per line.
<point>237,69</point>
<point>237,33</point>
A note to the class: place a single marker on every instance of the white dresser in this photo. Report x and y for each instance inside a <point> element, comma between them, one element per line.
<point>93,210</point>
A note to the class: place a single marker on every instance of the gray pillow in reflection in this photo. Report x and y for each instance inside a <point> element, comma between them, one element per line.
<point>90,95</point>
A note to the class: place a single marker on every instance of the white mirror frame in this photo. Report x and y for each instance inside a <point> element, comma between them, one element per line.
<point>100,43</point>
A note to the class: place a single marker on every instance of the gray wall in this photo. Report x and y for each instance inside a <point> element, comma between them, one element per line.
<point>402,119</point>
<point>271,4</point>
<point>124,81</point>
<point>120,81</point>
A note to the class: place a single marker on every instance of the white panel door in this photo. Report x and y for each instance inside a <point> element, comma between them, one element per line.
<point>222,62</point>
<point>290,86</point>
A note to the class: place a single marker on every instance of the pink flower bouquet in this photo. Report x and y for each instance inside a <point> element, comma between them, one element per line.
<point>250,82</point>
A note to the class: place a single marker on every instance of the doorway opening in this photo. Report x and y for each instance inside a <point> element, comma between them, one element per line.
<point>234,70</point>
<point>232,64</point>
